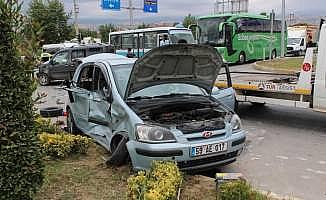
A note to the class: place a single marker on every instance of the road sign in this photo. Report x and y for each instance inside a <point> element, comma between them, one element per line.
<point>150,6</point>
<point>111,4</point>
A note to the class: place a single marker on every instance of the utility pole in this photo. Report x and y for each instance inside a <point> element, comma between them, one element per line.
<point>272,17</point>
<point>76,11</point>
<point>131,13</point>
<point>283,29</point>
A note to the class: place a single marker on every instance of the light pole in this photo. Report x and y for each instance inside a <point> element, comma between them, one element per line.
<point>283,30</point>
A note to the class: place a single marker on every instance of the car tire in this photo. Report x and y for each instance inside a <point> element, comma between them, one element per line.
<point>242,58</point>
<point>51,112</point>
<point>120,153</point>
<point>71,125</point>
<point>43,79</point>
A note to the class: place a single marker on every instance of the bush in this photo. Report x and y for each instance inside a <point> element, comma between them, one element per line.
<point>61,145</point>
<point>21,159</point>
<point>239,190</point>
<point>45,125</point>
<point>160,183</point>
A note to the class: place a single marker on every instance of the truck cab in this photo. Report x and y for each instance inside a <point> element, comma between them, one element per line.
<point>297,41</point>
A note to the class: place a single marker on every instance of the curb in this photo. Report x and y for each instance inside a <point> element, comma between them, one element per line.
<point>270,69</point>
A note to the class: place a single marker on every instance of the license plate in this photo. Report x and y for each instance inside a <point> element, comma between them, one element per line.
<point>208,149</point>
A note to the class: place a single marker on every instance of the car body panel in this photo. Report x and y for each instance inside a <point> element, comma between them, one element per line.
<point>105,122</point>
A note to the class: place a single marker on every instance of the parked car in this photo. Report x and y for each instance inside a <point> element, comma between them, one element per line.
<point>159,107</point>
<point>63,64</point>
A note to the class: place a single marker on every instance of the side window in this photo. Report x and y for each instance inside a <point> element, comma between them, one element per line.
<point>242,25</point>
<point>302,42</point>
<point>116,41</point>
<point>61,58</point>
<point>80,53</point>
<point>150,40</point>
<point>128,41</point>
<point>100,84</point>
<point>85,79</point>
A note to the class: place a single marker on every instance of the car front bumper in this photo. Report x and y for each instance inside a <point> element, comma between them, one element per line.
<point>143,154</point>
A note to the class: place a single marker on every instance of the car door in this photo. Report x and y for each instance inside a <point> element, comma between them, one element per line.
<point>99,115</point>
<point>82,94</point>
<point>59,65</point>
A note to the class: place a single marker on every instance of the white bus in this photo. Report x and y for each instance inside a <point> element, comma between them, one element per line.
<point>135,43</point>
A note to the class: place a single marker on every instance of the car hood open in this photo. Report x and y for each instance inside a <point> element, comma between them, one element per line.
<point>180,63</point>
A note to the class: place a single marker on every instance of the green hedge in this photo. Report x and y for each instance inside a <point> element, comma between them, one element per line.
<point>160,183</point>
<point>240,190</point>
<point>61,145</point>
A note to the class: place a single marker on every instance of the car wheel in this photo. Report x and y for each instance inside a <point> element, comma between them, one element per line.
<point>44,79</point>
<point>119,154</point>
<point>71,125</point>
<point>242,58</point>
<point>51,112</point>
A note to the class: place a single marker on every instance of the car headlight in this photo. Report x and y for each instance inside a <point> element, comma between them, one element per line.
<point>154,134</point>
<point>235,122</point>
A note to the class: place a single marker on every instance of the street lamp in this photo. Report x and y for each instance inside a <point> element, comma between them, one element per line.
<point>283,30</point>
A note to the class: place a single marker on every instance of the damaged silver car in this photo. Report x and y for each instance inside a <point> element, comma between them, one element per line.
<point>159,107</point>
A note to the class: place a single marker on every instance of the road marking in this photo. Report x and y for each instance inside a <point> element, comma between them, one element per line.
<point>282,157</point>
<point>305,177</point>
<point>322,162</point>
<point>301,158</point>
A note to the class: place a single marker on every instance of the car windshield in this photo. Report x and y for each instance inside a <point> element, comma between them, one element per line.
<point>209,29</point>
<point>169,89</point>
<point>181,36</point>
<point>121,75</point>
<point>294,41</point>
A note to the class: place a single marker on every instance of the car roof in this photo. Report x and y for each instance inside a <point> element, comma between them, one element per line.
<point>110,58</point>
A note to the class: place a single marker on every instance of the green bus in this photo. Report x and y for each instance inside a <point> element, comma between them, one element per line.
<point>240,37</point>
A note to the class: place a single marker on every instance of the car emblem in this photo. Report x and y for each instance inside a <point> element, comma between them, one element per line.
<point>207,134</point>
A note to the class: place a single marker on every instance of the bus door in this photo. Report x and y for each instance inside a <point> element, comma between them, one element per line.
<point>228,39</point>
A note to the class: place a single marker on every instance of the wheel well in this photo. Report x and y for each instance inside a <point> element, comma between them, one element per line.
<point>116,139</point>
<point>243,53</point>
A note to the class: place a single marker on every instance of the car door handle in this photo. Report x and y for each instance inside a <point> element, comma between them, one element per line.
<point>97,99</point>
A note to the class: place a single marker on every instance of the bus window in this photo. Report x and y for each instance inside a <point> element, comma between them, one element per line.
<point>150,40</point>
<point>128,41</point>
<point>116,41</point>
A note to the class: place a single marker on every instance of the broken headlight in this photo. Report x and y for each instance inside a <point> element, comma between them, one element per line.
<point>235,122</point>
<point>154,134</point>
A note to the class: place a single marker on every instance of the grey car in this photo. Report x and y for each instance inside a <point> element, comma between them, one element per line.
<point>159,107</point>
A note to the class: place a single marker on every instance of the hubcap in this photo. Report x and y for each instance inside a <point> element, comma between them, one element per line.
<point>43,79</point>
<point>241,58</point>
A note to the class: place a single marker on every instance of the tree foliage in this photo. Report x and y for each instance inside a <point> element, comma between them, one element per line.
<point>143,25</point>
<point>51,16</point>
<point>21,161</point>
<point>105,31</point>
<point>188,20</point>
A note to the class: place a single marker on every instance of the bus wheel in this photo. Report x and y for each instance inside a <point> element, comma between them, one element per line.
<point>273,54</point>
<point>242,58</point>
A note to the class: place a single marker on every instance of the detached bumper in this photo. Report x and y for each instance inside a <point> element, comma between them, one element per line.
<point>142,154</point>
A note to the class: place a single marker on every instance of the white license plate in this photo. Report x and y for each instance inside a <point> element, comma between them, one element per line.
<point>208,149</point>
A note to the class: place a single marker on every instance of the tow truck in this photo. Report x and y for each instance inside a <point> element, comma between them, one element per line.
<point>306,89</point>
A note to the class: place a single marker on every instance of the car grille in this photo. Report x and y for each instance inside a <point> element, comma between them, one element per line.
<point>289,48</point>
<point>203,161</point>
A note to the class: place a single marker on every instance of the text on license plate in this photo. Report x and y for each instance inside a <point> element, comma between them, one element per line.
<point>208,149</point>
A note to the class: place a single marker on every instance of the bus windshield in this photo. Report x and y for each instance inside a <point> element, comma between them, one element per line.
<point>209,30</point>
<point>181,36</point>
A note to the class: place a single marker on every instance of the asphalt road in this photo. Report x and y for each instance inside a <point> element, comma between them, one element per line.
<point>286,147</point>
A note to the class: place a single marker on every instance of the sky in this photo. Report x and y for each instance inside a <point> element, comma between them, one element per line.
<point>175,10</point>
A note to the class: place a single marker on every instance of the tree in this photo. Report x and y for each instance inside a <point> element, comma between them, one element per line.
<point>53,19</point>
<point>189,20</point>
<point>105,31</point>
<point>21,159</point>
<point>143,25</point>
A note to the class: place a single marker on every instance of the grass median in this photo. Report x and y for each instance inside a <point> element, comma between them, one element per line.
<point>287,64</point>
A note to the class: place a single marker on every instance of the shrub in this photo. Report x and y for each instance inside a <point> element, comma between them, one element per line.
<point>239,190</point>
<point>21,160</point>
<point>61,145</point>
<point>45,125</point>
<point>160,183</point>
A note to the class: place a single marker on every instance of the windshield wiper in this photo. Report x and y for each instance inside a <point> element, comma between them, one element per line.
<point>140,98</point>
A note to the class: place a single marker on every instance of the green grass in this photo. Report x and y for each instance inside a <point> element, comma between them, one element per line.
<point>290,64</point>
<point>84,177</point>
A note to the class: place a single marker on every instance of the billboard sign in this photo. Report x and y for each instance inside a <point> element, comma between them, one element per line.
<point>150,6</point>
<point>111,4</point>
